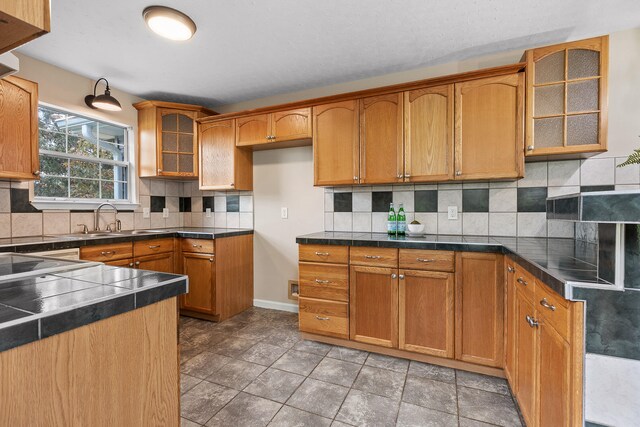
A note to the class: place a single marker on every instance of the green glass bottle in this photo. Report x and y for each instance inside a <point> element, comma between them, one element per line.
<point>391,221</point>
<point>402,221</point>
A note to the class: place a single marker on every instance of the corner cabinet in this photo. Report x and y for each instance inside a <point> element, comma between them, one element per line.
<point>223,166</point>
<point>567,98</point>
<point>167,139</point>
<point>23,21</point>
<point>18,129</point>
<point>282,129</point>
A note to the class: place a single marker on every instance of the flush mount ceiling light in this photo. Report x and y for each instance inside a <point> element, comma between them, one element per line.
<point>169,23</point>
<point>103,102</point>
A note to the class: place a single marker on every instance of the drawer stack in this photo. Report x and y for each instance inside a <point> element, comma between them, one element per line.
<point>324,290</point>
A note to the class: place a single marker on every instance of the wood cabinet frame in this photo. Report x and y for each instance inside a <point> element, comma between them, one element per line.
<point>274,134</point>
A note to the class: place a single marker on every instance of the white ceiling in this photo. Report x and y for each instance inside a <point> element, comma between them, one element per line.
<point>246,49</point>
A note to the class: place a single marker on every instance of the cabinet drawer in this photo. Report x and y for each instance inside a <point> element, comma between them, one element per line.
<point>416,259</point>
<point>326,281</point>
<point>324,317</point>
<point>104,253</point>
<point>324,253</point>
<point>376,257</point>
<point>525,282</point>
<point>201,246</point>
<point>553,308</point>
<point>154,246</point>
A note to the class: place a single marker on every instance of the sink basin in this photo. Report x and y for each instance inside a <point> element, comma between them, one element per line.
<point>141,232</point>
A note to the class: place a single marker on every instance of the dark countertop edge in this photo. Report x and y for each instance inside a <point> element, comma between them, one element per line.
<point>558,285</point>
<point>66,243</point>
<point>43,325</point>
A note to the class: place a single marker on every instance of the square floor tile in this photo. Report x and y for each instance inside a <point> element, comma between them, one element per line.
<point>417,416</point>
<point>430,394</point>
<point>292,417</point>
<point>348,354</point>
<point>387,362</point>
<point>275,384</point>
<point>285,338</point>
<point>202,402</point>
<point>245,410</point>
<point>187,382</point>
<point>318,397</point>
<point>432,372</point>
<point>380,381</point>
<point>298,362</point>
<point>364,409</point>
<point>482,382</point>
<point>204,364</point>
<point>336,372</point>
<point>237,374</point>
<point>233,346</point>
<point>313,347</point>
<point>489,407</point>
<point>263,354</point>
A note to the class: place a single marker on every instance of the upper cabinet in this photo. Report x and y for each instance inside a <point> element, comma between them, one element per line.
<point>280,129</point>
<point>223,166</point>
<point>489,131</point>
<point>336,152</point>
<point>18,129</point>
<point>567,98</point>
<point>167,139</point>
<point>22,21</point>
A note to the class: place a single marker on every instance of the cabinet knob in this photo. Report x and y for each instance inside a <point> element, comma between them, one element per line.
<point>37,173</point>
<point>159,170</point>
<point>458,173</point>
<point>130,264</point>
<point>406,175</point>
<point>394,276</point>
<point>232,184</point>
<point>401,277</point>
<point>531,321</point>
<point>355,178</point>
<point>530,148</point>
<point>511,269</point>
<point>137,262</point>
<point>210,259</point>
<point>399,176</point>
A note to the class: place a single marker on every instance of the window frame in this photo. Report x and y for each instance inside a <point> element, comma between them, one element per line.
<point>69,203</point>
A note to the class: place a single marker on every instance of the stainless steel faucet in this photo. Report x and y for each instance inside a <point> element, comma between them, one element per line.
<point>96,225</point>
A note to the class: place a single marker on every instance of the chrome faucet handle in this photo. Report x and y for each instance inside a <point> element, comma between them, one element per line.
<point>118,225</point>
<point>85,229</point>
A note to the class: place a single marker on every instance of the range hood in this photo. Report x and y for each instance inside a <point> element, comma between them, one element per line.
<point>619,207</point>
<point>9,64</point>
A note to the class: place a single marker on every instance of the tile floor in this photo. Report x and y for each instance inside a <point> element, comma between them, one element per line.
<point>254,370</point>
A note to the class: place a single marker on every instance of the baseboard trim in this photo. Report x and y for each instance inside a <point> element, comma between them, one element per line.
<point>275,305</point>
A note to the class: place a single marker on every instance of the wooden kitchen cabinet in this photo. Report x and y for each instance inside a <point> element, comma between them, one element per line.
<point>260,131</point>
<point>336,152</point>
<point>223,166</point>
<point>168,139</point>
<point>22,21</point>
<point>510,321</point>
<point>381,145</point>
<point>426,312</point>
<point>479,308</point>
<point>489,128</point>
<point>19,157</point>
<point>525,336</point>
<point>428,134</point>
<point>373,305</point>
<point>162,262</point>
<point>201,271</point>
<point>567,87</point>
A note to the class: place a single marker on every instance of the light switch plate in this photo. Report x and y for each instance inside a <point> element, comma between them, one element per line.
<point>207,213</point>
<point>146,212</point>
<point>284,213</point>
<point>165,212</point>
<point>452,212</point>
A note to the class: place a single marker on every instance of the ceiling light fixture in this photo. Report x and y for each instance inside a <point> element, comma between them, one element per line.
<point>169,23</point>
<point>103,102</point>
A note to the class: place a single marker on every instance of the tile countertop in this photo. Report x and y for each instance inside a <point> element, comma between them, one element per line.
<point>67,241</point>
<point>38,300</point>
<point>558,262</point>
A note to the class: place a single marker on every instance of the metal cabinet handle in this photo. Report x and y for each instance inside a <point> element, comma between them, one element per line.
<point>197,246</point>
<point>322,282</point>
<point>394,276</point>
<point>425,260</point>
<point>232,184</point>
<point>401,277</point>
<point>322,318</point>
<point>511,269</point>
<point>407,175</point>
<point>105,253</point>
<point>322,253</point>
<point>521,281</point>
<point>372,256</point>
<point>545,304</point>
<point>355,178</point>
<point>399,176</point>
<point>137,262</point>
<point>210,259</point>
<point>154,246</point>
<point>530,147</point>
<point>531,321</point>
<point>130,264</point>
<point>36,173</point>
<point>458,173</point>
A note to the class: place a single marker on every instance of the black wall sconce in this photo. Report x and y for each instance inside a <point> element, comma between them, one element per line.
<point>102,102</point>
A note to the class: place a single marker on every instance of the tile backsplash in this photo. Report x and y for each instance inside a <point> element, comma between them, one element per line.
<point>514,208</point>
<point>186,203</point>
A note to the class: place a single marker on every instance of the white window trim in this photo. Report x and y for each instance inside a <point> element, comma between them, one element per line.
<point>64,203</point>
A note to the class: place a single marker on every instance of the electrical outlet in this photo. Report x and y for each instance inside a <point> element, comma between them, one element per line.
<point>146,212</point>
<point>452,212</point>
<point>284,213</point>
<point>165,212</point>
<point>207,213</point>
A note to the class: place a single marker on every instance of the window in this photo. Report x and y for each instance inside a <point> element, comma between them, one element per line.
<point>81,159</point>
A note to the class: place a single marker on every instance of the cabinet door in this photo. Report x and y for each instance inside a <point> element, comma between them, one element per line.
<point>19,129</point>
<point>373,308</point>
<point>526,357</point>
<point>554,374</point>
<point>428,137</point>
<point>489,129</point>
<point>177,142</point>
<point>479,308</point>
<point>381,153</point>
<point>217,151</point>
<point>335,143</point>
<point>201,271</point>
<point>163,263</point>
<point>510,321</point>
<point>291,125</point>
<point>253,130</point>
<point>426,312</point>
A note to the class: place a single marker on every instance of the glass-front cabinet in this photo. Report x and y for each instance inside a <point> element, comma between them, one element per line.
<point>567,98</point>
<point>168,139</point>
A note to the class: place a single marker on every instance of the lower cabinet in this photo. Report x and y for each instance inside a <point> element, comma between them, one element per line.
<point>201,271</point>
<point>324,317</point>
<point>525,349</point>
<point>554,376</point>
<point>163,262</point>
